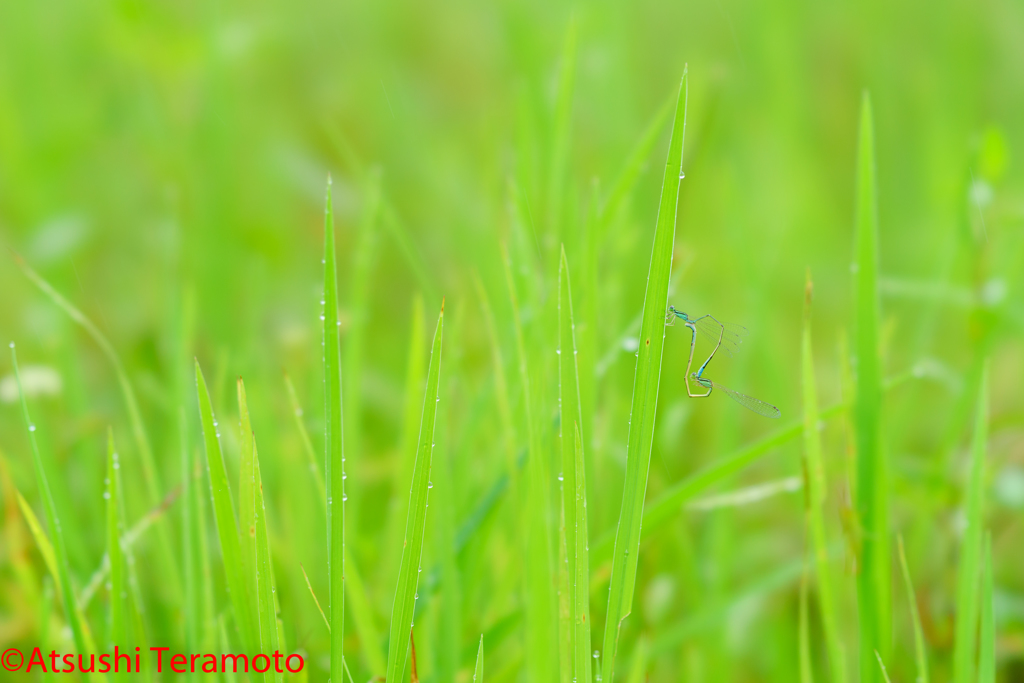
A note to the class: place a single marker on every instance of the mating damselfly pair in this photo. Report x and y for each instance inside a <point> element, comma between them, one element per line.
<point>726,337</point>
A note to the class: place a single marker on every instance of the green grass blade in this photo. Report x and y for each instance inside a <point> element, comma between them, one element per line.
<point>355,588</point>
<point>645,396</point>
<point>541,601</point>
<point>333,447</point>
<point>987,654</point>
<point>115,530</point>
<point>226,521</point>
<point>415,370</point>
<point>59,563</point>
<point>967,599</point>
<point>920,653</point>
<point>570,422</point>
<point>408,576</point>
<point>873,599</point>
<point>816,489</point>
<point>478,670</point>
<point>881,666</point>
<point>581,612</point>
<point>266,599</point>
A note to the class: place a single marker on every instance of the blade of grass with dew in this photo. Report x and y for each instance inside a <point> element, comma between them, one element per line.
<point>920,654</point>
<point>478,670</point>
<point>967,600</point>
<point>266,599</point>
<point>408,576</point>
<point>355,589</point>
<point>334,450</point>
<point>804,634</point>
<point>226,521</point>
<point>881,665</point>
<point>118,634</point>
<point>873,599</point>
<point>193,545</point>
<point>541,601</point>
<point>987,653</point>
<point>415,370</point>
<point>645,395</point>
<point>149,470</point>
<point>570,421</point>
<point>59,567</point>
<point>671,501</point>
<point>581,610</point>
<point>816,491</point>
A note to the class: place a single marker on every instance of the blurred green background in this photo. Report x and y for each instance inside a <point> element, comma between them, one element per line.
<point>161,157</point>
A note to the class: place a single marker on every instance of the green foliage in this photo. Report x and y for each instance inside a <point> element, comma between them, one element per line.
<point>162,177</point>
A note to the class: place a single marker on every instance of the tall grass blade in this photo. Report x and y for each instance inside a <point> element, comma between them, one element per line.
<point>570,425</point>
<point>408,576</point>
<point>247,497</point>
<point>226,521</point>
<point>638,668</point>
<point>581,579</point>
<point>873,599</point>
<point>115,530</point>
<point>415,370</point>
<point>987,654</point>
<point>355,588</point>
<point>478,670</point>
<point>541,601</point>
<point>333,446</point>
<point>920,653</point>
<point>816,491</point>
<point>967,599</point>
<point>645,396</point>
<point>266,591</point>
<point>59,563</point>
<point>881,665</point>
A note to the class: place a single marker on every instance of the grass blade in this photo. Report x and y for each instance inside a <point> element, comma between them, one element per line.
<point>355,590</point>
<point>247,501</point>
<point>478,670</point>
<point>266,599</point>
<point>581,610</point>
<point>967,600</point>
<point>570,424</point>
<point>873,599</point>
<point>115,530</point>
<point>920,653</point>
<point>224,516</point>
<point>645,396</point>
<point>816,488</point>
<point>58,560</point>
<point>987,655</point>
<point>881,665</point>
<point>408,576</point>
<point>541,601</point>
<point>334,450</point>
